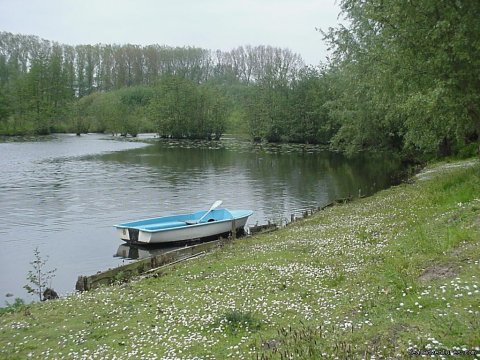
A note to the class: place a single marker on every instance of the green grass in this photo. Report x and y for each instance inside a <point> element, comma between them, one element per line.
<point>386,275</point>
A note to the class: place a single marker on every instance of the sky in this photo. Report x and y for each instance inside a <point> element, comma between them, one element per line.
<point>209,24</point>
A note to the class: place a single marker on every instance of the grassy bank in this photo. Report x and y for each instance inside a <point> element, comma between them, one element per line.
<point>387,275</point>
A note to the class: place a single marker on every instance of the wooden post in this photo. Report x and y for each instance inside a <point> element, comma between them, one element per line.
<point>81,283</point>
<point>234,230</point>
<point>292,218</point>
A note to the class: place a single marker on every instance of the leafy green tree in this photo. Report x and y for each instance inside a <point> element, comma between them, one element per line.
<point>182,109</point>
<point>117,112</point>
<point>82,116</point>
<point>68,69</point>
<point>38,106</point>
<point>133,103</point>
<point>172,107</point>
<point>268,111</point>
<point>409,73</point>
<point>310,121</point>
<point>215,112</point>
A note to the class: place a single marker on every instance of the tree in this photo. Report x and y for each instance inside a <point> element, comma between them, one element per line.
<point>133,103</point>
<point>410,75</point>
<point>310,119</point>
<point>215,107</point>
<point>183,109</point>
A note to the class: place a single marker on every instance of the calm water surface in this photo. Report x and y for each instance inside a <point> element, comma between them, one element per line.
<point>63,195</point>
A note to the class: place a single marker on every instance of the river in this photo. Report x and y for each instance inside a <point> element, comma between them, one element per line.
<point>62,194</point>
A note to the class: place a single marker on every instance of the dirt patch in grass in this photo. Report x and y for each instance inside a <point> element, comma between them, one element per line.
<point>390,338</point>
<point>444,270</point>
<point>438,271</point>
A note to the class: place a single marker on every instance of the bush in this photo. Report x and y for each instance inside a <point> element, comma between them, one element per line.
<point>238,320</point>
<point>16,306</point>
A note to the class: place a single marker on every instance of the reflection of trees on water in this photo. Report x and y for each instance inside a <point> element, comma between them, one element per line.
<point>279,174</point>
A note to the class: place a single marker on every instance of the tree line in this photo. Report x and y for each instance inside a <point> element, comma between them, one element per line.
<point>49,87</point>
<point>407,76</point>
<point>403,77</point>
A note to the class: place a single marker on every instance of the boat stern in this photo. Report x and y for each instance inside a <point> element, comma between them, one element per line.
<point>135,236</point>
<point>123,233</point>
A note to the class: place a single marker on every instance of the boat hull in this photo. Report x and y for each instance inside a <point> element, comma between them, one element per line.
<point>174,229</point>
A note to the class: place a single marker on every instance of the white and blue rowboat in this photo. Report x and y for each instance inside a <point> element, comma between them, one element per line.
<point>176,228</point>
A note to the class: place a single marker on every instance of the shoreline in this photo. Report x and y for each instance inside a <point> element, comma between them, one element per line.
<point>389,275</point>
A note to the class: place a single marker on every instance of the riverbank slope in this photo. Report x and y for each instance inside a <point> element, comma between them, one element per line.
<point>389,275</point>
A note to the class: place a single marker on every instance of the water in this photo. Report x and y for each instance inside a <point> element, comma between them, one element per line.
<point>63,195</point>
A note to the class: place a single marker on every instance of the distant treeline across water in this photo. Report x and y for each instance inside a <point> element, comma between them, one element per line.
<point>403,78</point>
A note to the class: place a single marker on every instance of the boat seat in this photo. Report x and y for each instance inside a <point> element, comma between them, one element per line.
<point>164,225</point>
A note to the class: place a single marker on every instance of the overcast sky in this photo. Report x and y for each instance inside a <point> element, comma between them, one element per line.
<point>209,24</point>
